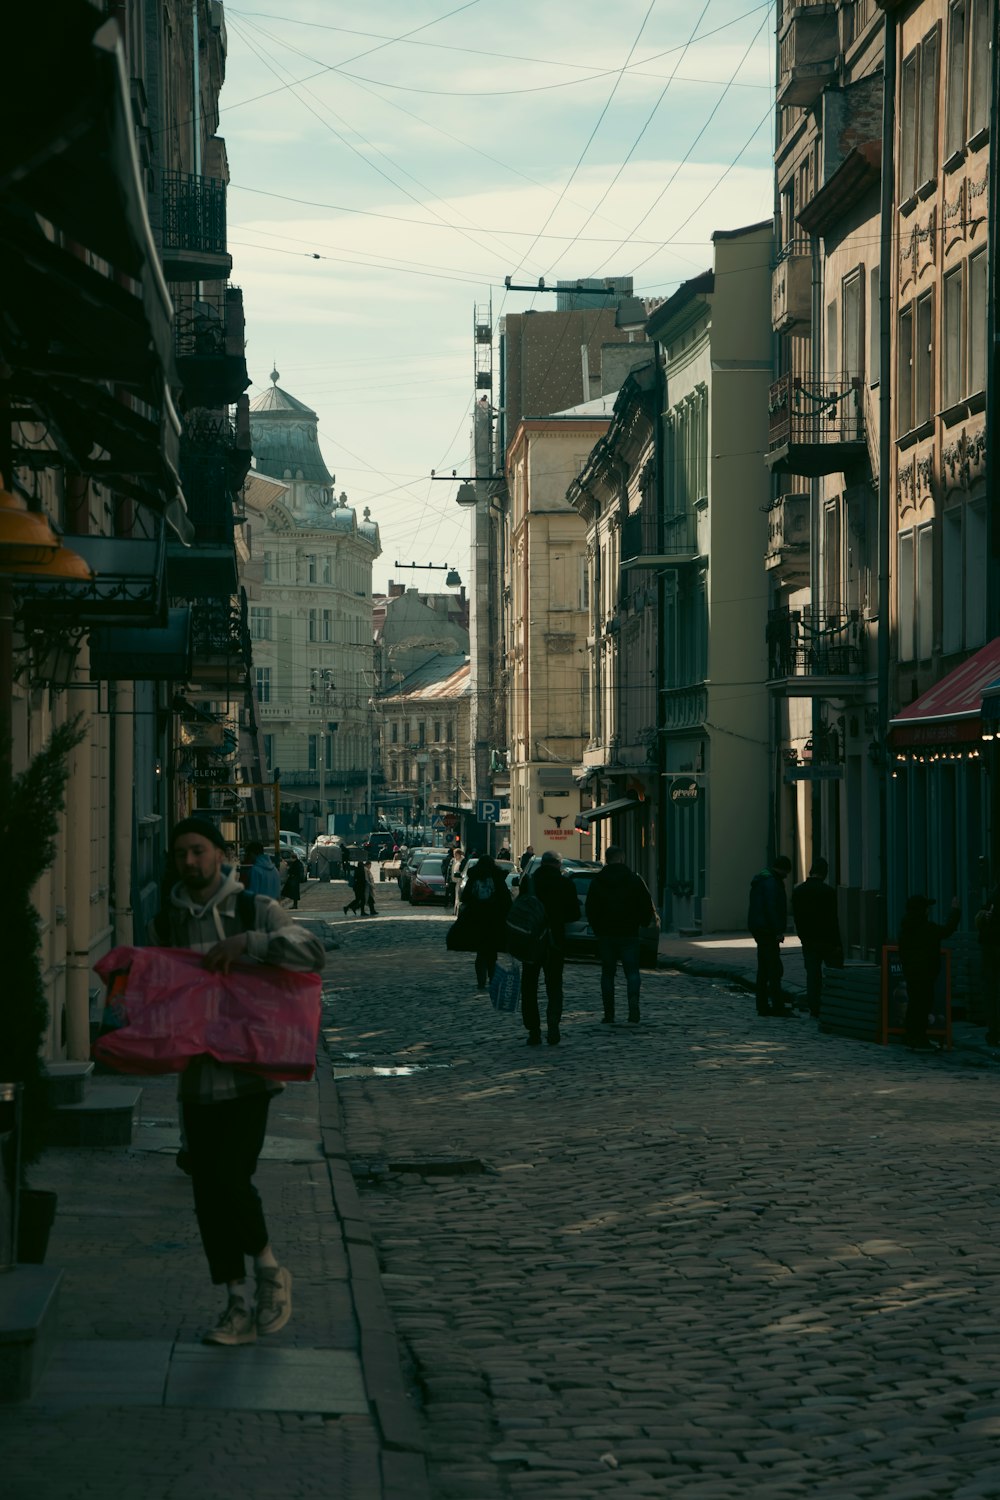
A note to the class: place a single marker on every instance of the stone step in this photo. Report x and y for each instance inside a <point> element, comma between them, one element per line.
<point>28,1308</point>
<point>67,1081</point>
<point>107,1117</point>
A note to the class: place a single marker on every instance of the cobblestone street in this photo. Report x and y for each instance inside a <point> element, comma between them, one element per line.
<point>704,1257</point>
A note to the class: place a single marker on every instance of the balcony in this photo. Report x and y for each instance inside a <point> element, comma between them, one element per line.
<point>816,427</point>
<point>206,569</point>
<point>221,646</point>
<point>808,44</point>
<point>816,653</point>
<point>194,228</point>
<point>684,707</point>
<point>791,287</point>
<point>210,346</point>
<point>788,530</point>
<point>680,541</point>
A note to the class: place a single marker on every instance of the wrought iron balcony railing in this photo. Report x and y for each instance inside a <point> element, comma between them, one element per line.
<point>815,643</point>
<point>193,230</point>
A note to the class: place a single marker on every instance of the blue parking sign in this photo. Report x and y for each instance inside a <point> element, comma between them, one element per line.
<point>488,811</point>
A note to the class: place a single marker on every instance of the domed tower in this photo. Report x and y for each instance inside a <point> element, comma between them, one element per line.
<point>286,447</point>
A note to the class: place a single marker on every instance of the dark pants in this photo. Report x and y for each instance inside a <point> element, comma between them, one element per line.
<point>486,962</point>
<point>769,972</point>
<point>552,967</point>
<point>224,1141</point>
<point>613,951</point>
<point>812,957</point>
<point>919,1003</point>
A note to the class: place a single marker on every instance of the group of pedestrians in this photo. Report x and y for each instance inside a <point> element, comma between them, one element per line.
<point>618,904</point>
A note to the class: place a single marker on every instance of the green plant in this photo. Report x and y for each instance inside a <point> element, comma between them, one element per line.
<point>30,805</point>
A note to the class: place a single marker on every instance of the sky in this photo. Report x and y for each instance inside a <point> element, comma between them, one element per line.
<point>392,164</point>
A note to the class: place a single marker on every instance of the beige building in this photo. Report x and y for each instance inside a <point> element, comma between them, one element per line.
<point>310,622</point>
<point>548,621</point>
<point>423,728</point>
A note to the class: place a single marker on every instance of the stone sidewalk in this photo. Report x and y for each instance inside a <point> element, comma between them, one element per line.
<point>134,1407</point>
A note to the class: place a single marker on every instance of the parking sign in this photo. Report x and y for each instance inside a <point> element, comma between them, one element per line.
<point>487,810</point>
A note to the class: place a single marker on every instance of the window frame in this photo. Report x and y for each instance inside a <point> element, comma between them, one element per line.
<point>953,381</point>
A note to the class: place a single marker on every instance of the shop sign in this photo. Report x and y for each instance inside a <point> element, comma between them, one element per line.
<point>684,789</point>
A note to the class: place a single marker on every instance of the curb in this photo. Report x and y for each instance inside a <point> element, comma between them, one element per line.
<point>699,969</point>
<point>404,1468</point>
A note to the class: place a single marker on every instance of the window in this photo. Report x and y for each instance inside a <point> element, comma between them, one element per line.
<point>874,328</point>
<point>436,769</point>
<point>952,603</point>
<point>260,622</point>
<point>437,731</point>
<point>263,684</point>
<point>918,117</point>
<point>977,322</point>
<point>979,67</point>
<point>311,573</point>
<point>904,595</point>
<point>831,556</point>
<point>927,140</point>
<point>421,733</point>
<point>328,569</point>
<point>975,573</point>
<point>924,600</point>
<point>904,395</point>
<point>852,313</point>
<point>269,751</point>
<point>314,624</point>
<point>583,602</point>
<point>270,567</point>
<point>313,760</point>
<point>832,358</point>
<point>923,355</point>
<point>451,734</point>
<point>394,733</point>
<point>327,624</point>
<point>954,115</point>
<point>953,352</point>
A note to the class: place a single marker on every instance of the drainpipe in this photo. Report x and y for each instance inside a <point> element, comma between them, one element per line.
<point>122,811</point>
<point>659,416</point>
<point>79,792</point>
<point>886,263</point>
<point>817,351</point>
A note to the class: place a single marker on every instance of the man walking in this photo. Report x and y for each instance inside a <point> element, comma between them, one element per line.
<point>920,942</point>
<point>224,1109</point>
<point>618,904</point>
<point>814,909</point>
<point>767,918</point>
<point>557,893</point>
<point>526,858</point>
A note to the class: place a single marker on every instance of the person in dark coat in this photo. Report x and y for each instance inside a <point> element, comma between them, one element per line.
<point>920,942</point>
<point>486,902</point>
<point>618,904</point>
<point>294,876</point>
<point>360,888</point>
<point>767,918</point>
<point>814,909</point>
<point>988,928</point>
<point>557,893</point>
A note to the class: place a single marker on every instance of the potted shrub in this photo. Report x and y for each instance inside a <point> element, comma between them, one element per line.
<point>30,805</point>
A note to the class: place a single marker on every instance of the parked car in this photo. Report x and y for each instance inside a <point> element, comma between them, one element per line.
<point>289,844</point>
<point>379,845</point>
<point>581,940</point>
<point>427,886</point>
<point>414,858</point>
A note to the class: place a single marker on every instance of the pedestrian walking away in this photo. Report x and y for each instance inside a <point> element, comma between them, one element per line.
<point>294,877</point>
<point>360,888</point>
<point>814,911</point>
<point>767,919</point>
<point>225,1109</point>
<point>485,903</point>
<point>920,942</point>
<point>557,894</point>
<point>264,878</point>
<point>618,904</point>
<point>526,858</point>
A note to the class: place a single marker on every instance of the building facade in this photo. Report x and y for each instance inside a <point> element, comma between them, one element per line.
<point>310,620</point>
<point>423,726</point>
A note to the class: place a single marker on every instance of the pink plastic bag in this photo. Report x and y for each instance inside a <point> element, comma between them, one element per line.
<point>171,1008</point>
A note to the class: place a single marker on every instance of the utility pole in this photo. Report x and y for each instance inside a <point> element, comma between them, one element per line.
<point>321,745</point>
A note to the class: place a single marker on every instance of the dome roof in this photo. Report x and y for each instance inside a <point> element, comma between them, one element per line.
<point>284,436</point>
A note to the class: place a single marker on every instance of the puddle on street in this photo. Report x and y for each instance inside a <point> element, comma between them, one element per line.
<point>380,1070</point>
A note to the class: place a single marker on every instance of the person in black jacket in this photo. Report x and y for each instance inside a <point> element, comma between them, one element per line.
<point>767,918</point>
<point>485,903</point>
<point>920,958</point>
<point>814,908</point>
<point>618,904</point>
<point>557,893</point>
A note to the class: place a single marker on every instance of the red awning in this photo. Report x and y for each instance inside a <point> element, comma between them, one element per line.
<point>948,713</point>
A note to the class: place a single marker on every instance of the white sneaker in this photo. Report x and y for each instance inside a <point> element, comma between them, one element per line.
<point>274,1299</point>
<point>236,1325</point>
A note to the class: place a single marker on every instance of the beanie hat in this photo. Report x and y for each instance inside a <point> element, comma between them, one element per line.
<point>200,826</point>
